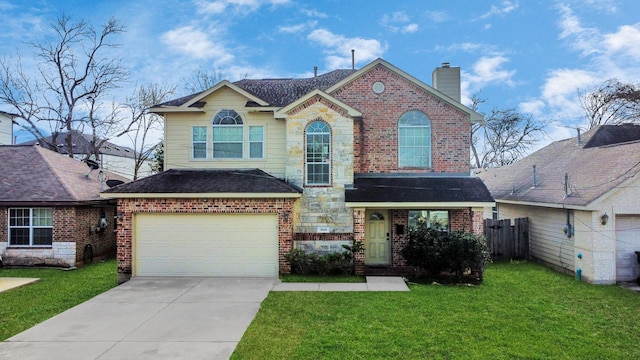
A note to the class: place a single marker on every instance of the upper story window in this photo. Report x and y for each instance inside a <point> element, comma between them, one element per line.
<point>318,154</point>
<point>256,142</point>
<point>30,227</point>
<point>199,142</point>
<point>228,135</point>
<point>414,140</point>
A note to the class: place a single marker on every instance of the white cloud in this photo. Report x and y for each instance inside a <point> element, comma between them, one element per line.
<point>297,28</point>
<point>196,43</point>
<point>437,16</point>
<point>235,6</point>
<point>625,41</point>
<point>489,70</point>
<point>338,48</point>
<point>504,8</point>
<point>314,13</point>
<point>399,21</point>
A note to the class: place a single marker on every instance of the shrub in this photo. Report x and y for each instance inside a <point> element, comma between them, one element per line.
<point>436,252</point>
<point>303,263</point>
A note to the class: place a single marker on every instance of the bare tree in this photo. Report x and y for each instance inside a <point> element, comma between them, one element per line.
<point>73,77</point>
<point>142,127</point>
<point>612,102</point>
<point>504,137</point>
<point>202,80</point>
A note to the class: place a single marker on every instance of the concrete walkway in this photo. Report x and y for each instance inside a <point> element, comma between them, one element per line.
<point>163,318</point>
<point>8,283</point>
<point>374,283</point>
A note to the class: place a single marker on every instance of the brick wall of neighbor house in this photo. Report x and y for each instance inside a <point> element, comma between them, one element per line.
<point>61,253</point>
<point>321,206</point>
<point>102,243</point>
<point>127,207</point>
<point>377,149</point>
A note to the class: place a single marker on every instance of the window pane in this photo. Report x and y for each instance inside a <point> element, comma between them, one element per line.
<point>19,236</point>
<point>414,140</point>
<point>227,150</point>
<point>256,133</point>
<point>42,217</point>
<point>19,217</point>
<point>42,236</point>
<point>435,219</point>
<point>199,133</point>
<point>227,133</point>
<point>199,150</point>
<point>256,141</point>
<point>255,150</point>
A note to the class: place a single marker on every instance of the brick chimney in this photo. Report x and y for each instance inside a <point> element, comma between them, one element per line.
<point>446,79</point>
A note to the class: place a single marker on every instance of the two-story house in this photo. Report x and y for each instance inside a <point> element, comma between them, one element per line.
<point>255,168</point>
<point>6,128</point>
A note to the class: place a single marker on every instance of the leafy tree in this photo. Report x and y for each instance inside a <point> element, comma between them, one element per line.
<point>503,137</point>
<point>68,89</point>
<point>610,103</point>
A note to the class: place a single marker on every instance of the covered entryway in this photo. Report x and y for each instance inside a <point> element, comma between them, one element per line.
<point>627,243</point>
<point>205,244</point>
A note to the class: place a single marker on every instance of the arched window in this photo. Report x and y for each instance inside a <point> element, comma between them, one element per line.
<point>414,140</point>
<point>227,135</point>
<point>318,156</point>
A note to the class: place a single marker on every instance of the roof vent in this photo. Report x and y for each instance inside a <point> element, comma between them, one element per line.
<point>445,64</point>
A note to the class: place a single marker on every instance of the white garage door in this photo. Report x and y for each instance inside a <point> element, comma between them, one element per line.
<point>206,245</point>
<point>628,241</point>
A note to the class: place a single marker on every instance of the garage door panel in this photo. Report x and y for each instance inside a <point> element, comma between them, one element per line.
<point>627,242</point>
<point>206,245</point>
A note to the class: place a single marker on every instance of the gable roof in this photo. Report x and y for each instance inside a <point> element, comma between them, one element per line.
<point>34,175</point>
<point>604,160</point>
<point>82,145</point>
<point>282,112</point>
<point>418,190</point>
<point>473,115</point>
<point>207,183</point>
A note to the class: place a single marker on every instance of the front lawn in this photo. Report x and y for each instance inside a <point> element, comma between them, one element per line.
<point>57,291</point>
<point>522,310</point>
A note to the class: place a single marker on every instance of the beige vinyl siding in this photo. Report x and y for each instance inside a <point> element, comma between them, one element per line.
<point>178,132</point>
<point>547,241</point>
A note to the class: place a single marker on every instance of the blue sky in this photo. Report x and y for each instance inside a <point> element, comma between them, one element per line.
<point>530,55</point>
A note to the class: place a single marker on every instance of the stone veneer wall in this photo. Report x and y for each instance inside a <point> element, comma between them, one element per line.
<point>128,207</point>
<point>321,206</point>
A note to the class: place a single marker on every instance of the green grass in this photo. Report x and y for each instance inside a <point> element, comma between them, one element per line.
<point>521,311</point>
<point>323,279</point>
<point>57,291</point>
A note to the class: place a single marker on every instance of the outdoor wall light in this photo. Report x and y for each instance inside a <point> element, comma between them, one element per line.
<point>285,215</point>
<point>604,219</point>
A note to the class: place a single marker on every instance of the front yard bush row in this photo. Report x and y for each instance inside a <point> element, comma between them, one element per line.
<point>459,254</point>
<point>337,263</point>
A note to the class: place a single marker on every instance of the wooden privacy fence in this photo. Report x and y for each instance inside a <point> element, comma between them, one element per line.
<point>506,241</point>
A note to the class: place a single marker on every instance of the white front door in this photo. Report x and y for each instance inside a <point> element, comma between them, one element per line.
<point>377,240</point>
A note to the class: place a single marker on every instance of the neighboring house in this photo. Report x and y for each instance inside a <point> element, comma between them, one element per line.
<point>582,196</point>
<point>117,159</point>
<point>6,128</point>
<point>51,212</point>
<point>255,168</point>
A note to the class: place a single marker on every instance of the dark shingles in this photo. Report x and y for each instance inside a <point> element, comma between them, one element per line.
<point>614,134</point>
<point>281,92</point>
<point>418,189</point>
<point>82,145</point>
<point>175,181</point>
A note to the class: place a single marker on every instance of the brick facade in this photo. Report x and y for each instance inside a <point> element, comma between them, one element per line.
<point>127,208</point>
<point>72,234</point>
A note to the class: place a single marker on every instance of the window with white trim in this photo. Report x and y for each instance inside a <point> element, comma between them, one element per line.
<point>434,219</point>
<point>30,226</point>
<point>256,142</point>
<point>414,140</point>
<point>199,142</point>
<point>318,154</point>
<point>228,135</point>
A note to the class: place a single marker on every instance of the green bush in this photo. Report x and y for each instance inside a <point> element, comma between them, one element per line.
<point>337,263</point>
<point>457,253</point>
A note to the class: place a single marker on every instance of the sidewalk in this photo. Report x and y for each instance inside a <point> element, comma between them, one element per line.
<point>374,283</point>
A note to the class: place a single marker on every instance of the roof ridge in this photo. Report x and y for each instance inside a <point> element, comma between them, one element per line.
<point>53,169</point>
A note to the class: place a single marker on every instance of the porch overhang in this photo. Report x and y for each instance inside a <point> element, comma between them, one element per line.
<point>417,191</point>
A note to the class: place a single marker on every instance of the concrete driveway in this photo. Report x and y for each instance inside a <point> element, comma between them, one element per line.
<point>148,318</point>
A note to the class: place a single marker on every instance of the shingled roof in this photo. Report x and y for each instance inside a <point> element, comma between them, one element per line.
<point>82,145</point>
<point>605,158</point>
<point>207,181</point>
<point>276,92</point>
<point>34,175</point>
<point>417,189</point>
